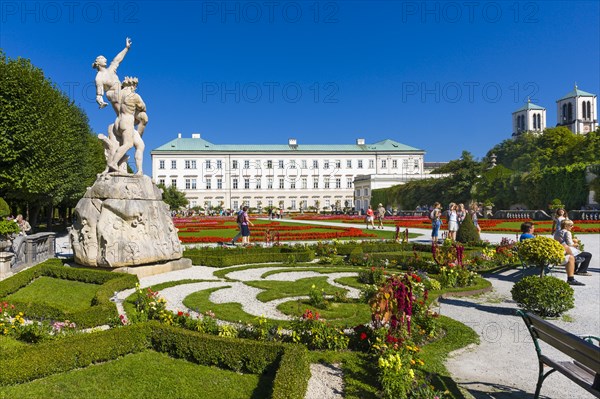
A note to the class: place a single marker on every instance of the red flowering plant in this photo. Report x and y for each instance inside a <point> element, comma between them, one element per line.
<point>398,310</point>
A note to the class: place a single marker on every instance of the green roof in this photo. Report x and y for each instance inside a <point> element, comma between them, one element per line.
<point>199,144</point>
<point>529,106</point>
<point>576,93</point>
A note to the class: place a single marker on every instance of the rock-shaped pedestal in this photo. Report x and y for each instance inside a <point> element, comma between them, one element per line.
<point>122,221</point>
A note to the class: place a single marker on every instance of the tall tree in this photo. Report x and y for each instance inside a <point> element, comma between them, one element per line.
<point>48,154</point>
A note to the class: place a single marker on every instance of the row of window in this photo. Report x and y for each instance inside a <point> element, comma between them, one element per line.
<point>304,204</point>
<point>192,183</point>
<point>292,164</point>
<point>537,121</point>
<point>586,111</point>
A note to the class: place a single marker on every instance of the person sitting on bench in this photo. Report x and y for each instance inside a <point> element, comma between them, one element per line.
<point>565,237</point>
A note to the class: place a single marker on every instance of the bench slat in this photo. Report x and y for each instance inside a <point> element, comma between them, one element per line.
<point>572,371</point>
<point>584,352</point>
<point>585,356</point>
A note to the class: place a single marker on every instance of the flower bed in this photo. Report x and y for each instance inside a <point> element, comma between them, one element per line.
<point>225,228</point>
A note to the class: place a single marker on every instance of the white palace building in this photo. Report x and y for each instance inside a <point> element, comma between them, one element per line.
<point>291,176</point>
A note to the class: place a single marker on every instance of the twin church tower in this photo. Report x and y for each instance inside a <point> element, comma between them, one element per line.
<point>577,110</point>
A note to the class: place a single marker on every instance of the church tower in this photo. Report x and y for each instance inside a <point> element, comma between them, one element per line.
<point>529,118</point>
<point>577,110</point>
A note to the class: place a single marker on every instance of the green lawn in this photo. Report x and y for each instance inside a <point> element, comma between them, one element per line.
<point>145,375</point>
<point>66,295</point>
<point>223,311</point>
<point>348,314</point>
<point>282,289</point>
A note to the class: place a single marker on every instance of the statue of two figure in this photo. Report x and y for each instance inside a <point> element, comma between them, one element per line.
<point>130,110</point>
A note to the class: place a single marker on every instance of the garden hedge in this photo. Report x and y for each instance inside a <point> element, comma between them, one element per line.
<point>102,310</point>
<point>228,257</point>
<point>290,361</point>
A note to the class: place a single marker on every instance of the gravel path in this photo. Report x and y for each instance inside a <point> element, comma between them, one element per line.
<point>325,382</point>
<point>504,364</point>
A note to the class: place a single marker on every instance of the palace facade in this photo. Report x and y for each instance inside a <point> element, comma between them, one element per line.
<point>291,176</point>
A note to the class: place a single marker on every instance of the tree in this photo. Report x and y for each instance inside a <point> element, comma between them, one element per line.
<point>467,232</point>
<point>49,155</point>
<point>173,197</point>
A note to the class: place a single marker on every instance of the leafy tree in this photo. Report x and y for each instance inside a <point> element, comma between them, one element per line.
<point>49,155</point>
<point>173,197</point>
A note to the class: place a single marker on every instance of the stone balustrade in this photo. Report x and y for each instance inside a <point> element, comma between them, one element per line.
<point>30,250</point>
<point>584,215</point>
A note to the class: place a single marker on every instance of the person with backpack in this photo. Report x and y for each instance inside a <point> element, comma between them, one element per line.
<point>238,220</point>
<point>436,221</point>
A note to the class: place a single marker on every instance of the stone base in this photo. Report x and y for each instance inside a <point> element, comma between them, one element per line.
<point>151,270</point>
<point>144,270</point>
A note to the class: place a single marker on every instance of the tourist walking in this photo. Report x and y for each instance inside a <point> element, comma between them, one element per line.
<point>238,220</point>
<point>245,226</point>
<point>557,219</point>
<point>370,217</point>
<point>436,221</point>
<point>380,215</point>
<point>452,221</point>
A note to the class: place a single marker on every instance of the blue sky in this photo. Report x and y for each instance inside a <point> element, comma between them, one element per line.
<point>440,76</point>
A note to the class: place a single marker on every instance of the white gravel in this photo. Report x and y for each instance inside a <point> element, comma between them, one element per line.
<point>326,382</point>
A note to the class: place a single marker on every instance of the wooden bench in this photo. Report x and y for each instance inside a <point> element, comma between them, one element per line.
<point>583,369</point>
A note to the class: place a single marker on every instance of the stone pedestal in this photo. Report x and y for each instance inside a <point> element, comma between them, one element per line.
<point>121,222</point>
<point>5,260</point>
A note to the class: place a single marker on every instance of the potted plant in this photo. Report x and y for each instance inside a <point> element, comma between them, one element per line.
<point>8,229</point>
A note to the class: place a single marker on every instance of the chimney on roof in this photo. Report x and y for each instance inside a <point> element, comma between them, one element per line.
<point>292,142</point>
<point>195,135</point>
<point>360,141</point>
<point>178,135</point>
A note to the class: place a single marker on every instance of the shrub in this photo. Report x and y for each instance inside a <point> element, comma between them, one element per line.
<point>467,232</point>
<point>4,209</point>
<point>541,251</point>
<point>8,227</point>
<point>546,296</point>
<point>374,275</point>
<point>316,297</point>
<point>315,333</point>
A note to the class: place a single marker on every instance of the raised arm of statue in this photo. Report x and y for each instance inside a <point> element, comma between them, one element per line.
<point>119,57</point>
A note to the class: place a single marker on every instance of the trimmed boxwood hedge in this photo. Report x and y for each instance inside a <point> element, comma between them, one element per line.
<point>102,310</point>
<point>221,257</point>
<point>290,361</point>
<point>371,247</point>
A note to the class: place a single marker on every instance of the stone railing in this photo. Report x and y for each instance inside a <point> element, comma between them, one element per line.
<point>412,213</point>
<point>584,215</point>
<point>522,214</point>
<point>30,250</point>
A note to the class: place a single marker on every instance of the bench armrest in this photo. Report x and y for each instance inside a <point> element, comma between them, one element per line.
<point>591,339</point>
